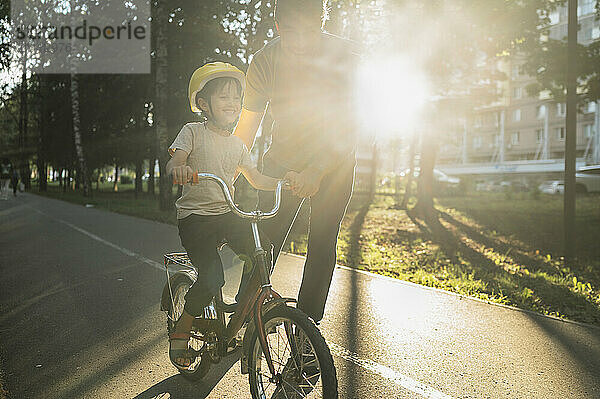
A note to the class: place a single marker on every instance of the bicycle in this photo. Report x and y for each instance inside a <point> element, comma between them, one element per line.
<point>283,351</point>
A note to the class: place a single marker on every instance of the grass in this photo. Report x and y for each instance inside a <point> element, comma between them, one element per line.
<point>122,201</point>
<point>499,248</point>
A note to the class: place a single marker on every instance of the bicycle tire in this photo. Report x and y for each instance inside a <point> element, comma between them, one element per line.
<point>180,287</point>
<point>273,319</point>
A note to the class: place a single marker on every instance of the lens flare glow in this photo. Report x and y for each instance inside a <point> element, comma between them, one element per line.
<point>390,94</point>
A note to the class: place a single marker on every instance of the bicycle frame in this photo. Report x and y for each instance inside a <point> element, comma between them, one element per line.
<point>259,289</point>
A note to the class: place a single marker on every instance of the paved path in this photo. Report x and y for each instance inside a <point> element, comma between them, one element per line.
<point>79,318</point>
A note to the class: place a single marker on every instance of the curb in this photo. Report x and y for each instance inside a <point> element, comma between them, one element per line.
<point>439,290</point>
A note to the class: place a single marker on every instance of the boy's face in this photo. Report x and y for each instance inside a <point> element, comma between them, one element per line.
<point>299,36</point>
<point>226,105</point>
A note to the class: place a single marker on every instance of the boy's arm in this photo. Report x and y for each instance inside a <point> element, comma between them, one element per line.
<point>257,179</point>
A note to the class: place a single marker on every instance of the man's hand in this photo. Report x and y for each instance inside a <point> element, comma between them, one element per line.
<point>182,174</point>
<point>306,183</point>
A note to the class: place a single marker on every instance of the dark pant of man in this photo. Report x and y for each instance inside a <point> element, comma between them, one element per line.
<point>327,208</point>
<point>200,235</point>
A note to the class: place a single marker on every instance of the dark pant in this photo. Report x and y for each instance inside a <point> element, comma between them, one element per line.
<point>200,235</point>
<point>327,208</point>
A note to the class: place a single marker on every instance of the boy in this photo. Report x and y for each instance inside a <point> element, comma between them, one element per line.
<point>306,77</point>
<point>204,218</point>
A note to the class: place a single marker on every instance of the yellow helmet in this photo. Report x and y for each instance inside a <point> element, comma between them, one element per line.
<point>210,71</point>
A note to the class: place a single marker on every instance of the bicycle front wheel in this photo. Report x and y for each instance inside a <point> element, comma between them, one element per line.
<point>303,364</point>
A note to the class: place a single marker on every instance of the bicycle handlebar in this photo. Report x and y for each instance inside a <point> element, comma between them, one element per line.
<point>245,215</point>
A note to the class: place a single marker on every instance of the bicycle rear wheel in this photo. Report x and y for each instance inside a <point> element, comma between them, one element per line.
<point>303,364</point>
<point>201,364</point>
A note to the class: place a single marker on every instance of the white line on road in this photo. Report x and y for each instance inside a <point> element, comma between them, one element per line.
<point>383,371</point>
<point>103,241</point>
<point>387,373</point>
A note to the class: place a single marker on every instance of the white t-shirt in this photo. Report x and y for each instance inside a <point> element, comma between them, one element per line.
<point>208,152</point>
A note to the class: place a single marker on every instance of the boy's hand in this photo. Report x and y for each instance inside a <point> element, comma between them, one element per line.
<point>306,183</point>
<point>182,174</point>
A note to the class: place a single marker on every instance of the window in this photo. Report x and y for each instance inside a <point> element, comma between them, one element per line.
<point>517,92</point>
<point>539,135</point>
<point>515,71</point>
<point>478,121</point>
<point>516,116</point>
<point>595,33</point>
<point>477,142</point>
<point>541,111</point>
<point>496,140</point>
<point>561,109</point>
<point>554,17</point>
<point>586,7</point>
<point>514,138</point>
<point>560,133</point>
<point>591,107</point>
<point>588,130</point>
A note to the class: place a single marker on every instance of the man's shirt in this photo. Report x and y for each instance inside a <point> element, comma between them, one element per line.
<point>310,99</point>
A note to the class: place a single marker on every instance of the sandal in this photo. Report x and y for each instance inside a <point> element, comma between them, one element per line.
<point>181,350</point>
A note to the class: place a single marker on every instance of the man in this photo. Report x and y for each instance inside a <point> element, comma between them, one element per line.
<point>305,76</point>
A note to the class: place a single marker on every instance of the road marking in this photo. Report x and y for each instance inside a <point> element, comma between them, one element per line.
<point>387,373</point>
<point>127,252</point>
<point>381,370</point>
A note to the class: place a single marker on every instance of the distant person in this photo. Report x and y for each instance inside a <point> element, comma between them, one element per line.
<point>306,77</point>
<point>5,168</point>
<point>14,180</point>
<point>204,218</point>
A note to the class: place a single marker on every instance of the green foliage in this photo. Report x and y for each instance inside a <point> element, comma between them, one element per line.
<point>496,249</point>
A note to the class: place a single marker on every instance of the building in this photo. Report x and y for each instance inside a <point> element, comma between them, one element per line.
<point>520,134</point>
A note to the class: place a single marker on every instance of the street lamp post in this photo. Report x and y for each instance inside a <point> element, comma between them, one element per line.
<point>571,139</point>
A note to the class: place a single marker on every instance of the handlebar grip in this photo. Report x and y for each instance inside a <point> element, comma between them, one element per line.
<point>195,179</point>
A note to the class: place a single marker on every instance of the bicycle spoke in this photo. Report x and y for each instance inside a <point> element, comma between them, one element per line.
<point>294,388</point>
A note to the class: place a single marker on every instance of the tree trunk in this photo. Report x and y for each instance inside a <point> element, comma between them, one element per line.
<point>139,171</point>
<point>411,169</point>
<point>151,165</point>
<point>77,179</point>
<point>160,25</point>
<point>42,175</point>
<point>24,169</point>
<point>98,181</point>
<point>77,133</point>
<point>373,177</point>
<point>60,177</point>
<point>43,131</point>
<point>424,205</point>
<point>116,181</point>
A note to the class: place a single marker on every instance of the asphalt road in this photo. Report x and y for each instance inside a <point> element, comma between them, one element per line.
<point>79,318</point>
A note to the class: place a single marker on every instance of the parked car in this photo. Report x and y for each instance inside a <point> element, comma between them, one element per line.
<point>514,185</point>
<point>552,187</point>
<point>588,179</point>
<point>443,182</point>
<point>491,186</point>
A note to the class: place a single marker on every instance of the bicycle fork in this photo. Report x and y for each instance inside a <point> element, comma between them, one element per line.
<point>266,292</point>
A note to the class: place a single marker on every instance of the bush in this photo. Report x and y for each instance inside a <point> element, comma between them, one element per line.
<point>126,179</point>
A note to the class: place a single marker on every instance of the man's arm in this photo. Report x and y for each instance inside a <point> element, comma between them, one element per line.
<point>248,126</point>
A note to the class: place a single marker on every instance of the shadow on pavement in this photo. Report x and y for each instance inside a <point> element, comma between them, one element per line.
<point>527,290</point>
<point>582,344</point>
<point>355,257</point>
<point>178,387</point>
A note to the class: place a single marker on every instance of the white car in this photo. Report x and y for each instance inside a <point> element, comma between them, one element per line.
<point>552,187</point>
<point>588,179</point>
